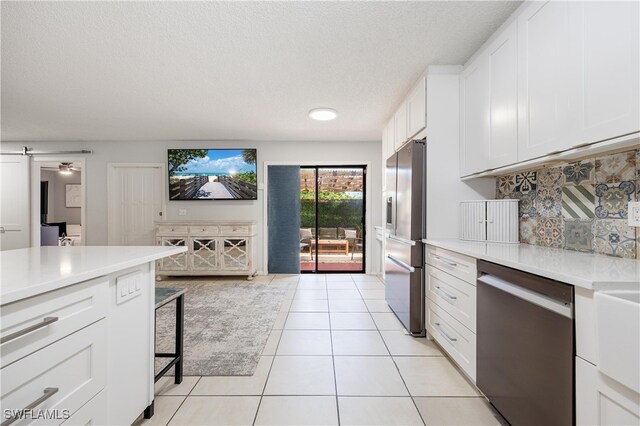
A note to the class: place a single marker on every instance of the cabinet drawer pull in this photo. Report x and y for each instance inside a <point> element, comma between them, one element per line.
<point>447,261</point>
<point>445,334</point>
<point>446,293</point>
<point>48,393</point>
<point>45,322</point>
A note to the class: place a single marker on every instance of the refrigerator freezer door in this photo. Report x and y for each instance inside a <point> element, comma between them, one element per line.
<point>404,289</point>
<point>410,192</point>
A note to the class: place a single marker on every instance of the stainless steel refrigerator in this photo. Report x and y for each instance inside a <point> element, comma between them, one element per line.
<point>404,263</point>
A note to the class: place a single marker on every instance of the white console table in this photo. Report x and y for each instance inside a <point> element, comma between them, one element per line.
<point>213,248</point>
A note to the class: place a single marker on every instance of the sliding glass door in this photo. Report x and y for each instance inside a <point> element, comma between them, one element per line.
<point>332,218</point>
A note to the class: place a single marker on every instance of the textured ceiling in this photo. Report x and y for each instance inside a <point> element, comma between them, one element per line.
<point>223,70</point>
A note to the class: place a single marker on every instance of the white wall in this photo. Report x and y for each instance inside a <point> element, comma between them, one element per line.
<point>105,152</point>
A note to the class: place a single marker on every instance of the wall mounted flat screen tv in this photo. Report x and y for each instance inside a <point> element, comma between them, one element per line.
<point>212,174</point>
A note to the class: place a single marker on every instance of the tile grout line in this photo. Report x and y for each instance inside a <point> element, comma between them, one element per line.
<point>397,368</point>
<point>333,362</point>
<point>275,353</point>
<point>183,401</point>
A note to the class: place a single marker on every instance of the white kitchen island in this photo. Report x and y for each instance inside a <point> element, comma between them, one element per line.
<point>77,330</point>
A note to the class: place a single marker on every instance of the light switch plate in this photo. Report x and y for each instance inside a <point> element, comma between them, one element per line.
<point>182,212</point>
<point>634,213</point>
<point>128,286</point>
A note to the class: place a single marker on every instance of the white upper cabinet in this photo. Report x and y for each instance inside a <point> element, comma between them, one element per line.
<point>416,108</point>
<point>400,123</point>
<point>503,118</point>
<point>607,48</point>
<point>474,120</point>
<point>544,77</point>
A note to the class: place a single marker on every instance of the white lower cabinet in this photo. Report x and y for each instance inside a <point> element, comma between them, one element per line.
<point>601,400</point>
<point>93,412</point>
<point>451,305</point>
<point>453,337</point>
<point>67,373</point>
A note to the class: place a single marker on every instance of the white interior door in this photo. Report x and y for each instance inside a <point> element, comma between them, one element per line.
<point>136,202</point>
<point>14,202</point>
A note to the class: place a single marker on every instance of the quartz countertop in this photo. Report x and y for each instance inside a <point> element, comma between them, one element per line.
<point>32,271</point>
<point>587,270</point>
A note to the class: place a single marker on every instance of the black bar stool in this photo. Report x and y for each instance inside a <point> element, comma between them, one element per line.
<point>165,295</point>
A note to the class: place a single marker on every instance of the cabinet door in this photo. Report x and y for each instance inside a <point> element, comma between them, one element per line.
<point>234,254</point>
<point>204,254</point>
<point>503,63</point>
<point>400,120</point>
<point>607,46</point>
<point>544,76</point>
<point>177,262</point>
<point>474,124</point>
<point>417,108</point>
<point>391,137</point>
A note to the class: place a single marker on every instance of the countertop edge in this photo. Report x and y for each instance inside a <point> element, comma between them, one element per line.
<point>568,279</point>
<point>25,293</point>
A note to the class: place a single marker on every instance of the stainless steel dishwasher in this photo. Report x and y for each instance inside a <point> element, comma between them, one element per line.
<point>525,346</point>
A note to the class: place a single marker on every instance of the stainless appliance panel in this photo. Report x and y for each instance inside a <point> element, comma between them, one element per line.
<point>404,286</point>
<point>525,346</point>
<point>410,191</point>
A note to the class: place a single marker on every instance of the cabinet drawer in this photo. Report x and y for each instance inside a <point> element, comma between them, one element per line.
<point>456,339</point>
<point>203,230</point>
<point>458,265</point>
<point>58,314</point>
<point>93,412</point>
<point>226,230</point>
<point>456,297</point>
<point>173,229</point>
<point>76,366</point>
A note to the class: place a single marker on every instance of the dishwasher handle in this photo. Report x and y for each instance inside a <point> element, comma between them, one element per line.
<point>562,308</point>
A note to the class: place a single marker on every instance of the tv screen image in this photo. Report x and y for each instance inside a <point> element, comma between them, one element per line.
<point>212,174</point>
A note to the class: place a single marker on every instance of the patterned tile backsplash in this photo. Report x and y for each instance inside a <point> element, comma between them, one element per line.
<point>580,206</point>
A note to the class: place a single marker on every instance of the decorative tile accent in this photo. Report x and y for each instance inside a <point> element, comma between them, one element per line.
<point>548,202</point>
<point>578,173</point>
<point>615,238</point>
<point>578,234</point>
<point>557,204</point>
<point>525,182</point>
<point>527,206</point>
<point>550,232</point>
<point>616,168</point>
<point>578,201</point>
<point>550,178</point>
<point>506,184</point>
<point>613,199</point>
<point>528,230</point>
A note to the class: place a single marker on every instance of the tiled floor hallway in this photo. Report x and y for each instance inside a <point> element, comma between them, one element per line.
<point>336,355</point>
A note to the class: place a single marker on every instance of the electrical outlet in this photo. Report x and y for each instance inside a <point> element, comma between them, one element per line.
<point>634,213</point>
<point>182,212</point>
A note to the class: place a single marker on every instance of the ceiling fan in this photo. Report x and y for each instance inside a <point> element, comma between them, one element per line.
<point>63,168</point>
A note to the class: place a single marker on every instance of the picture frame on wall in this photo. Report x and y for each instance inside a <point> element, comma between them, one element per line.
<point>73,195</point>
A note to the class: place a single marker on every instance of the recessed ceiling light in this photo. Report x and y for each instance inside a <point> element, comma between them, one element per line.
<point>323,114</point>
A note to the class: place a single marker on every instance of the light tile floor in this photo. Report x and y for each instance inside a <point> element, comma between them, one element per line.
<point>336,355</point>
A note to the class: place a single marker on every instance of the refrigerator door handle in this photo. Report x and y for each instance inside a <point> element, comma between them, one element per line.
<point>402,240</point>
<point>401,264</point>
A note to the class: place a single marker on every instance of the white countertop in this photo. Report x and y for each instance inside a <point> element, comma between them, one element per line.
<point>591,271</point>
<point>32,271</point>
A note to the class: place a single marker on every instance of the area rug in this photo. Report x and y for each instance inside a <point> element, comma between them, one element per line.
<point>226,325</point>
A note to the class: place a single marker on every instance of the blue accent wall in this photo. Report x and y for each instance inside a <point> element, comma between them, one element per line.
<point>283,204</point>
